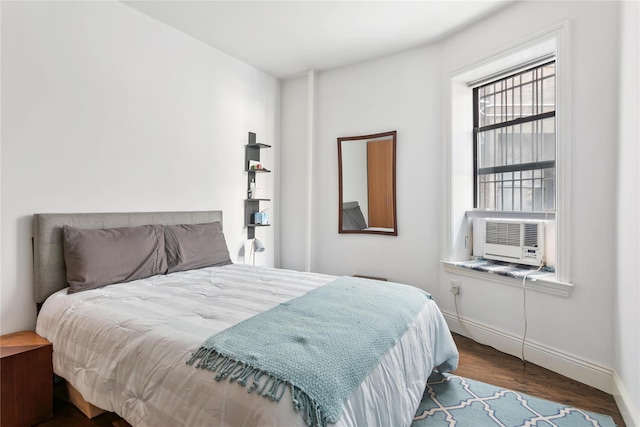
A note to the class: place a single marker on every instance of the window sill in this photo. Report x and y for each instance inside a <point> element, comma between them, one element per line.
<point>545,282</point>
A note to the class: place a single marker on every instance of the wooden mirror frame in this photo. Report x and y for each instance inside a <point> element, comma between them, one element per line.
<point>389,164</point>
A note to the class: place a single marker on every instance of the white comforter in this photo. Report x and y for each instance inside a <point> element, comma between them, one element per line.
<point>124,347</point>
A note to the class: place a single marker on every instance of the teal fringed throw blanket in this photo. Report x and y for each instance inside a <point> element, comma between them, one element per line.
<point>321,345</point>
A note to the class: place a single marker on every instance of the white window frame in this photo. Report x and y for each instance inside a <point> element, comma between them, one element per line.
<point>458,150</point>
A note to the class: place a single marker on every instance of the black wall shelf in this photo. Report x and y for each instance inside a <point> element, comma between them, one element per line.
<point>252,205</point>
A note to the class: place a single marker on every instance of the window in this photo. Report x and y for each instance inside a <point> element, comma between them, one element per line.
<point>514,137</point>
<point>507,121</point>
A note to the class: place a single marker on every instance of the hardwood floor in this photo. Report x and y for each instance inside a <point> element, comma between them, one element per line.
<point>486,364</point>
<point>477,362</point>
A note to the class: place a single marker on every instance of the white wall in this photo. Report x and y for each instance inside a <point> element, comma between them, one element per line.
<point>293,182</point>
<point>627,318</point>
<point>573,335</point>
<point>105,109</point>
<point>402,93</point>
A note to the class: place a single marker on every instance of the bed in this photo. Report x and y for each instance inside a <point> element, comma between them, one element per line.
<point>124,346</point>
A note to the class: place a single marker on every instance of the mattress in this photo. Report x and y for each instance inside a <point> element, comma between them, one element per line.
<point>124,348</point>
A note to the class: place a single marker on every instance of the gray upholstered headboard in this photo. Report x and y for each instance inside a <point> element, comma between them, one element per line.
<point>49,273</point>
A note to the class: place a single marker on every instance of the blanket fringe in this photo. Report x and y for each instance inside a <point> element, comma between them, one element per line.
<point>313,416</point>
<point>272,388</point>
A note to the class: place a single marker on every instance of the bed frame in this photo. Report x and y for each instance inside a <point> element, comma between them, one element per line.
<point>49,273</point>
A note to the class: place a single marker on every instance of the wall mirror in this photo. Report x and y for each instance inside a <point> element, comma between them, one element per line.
<point>367,184</point>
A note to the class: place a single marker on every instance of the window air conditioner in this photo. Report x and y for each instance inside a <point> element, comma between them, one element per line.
<point>517,241</point>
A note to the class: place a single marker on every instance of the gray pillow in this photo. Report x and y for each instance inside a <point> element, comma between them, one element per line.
<point>100,257</point>
<point>191,246</point>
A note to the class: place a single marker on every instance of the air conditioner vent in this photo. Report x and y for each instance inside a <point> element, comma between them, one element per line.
<point>503,233</point>
<point>530,235</point>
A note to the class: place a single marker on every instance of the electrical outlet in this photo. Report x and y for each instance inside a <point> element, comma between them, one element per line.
<point>454,287</point>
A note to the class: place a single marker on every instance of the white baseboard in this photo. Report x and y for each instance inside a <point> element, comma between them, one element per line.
<point>555,360</point>
<point>625,404</point>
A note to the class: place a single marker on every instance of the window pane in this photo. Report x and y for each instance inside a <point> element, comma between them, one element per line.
<point>515,162</point>
<point>512,145</point>
<point>549,94</point>
<point>532,191</point>
<point>524,94</point>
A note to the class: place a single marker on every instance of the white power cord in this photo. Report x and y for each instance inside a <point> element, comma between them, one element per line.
<point>524,298</point>
<point>524,310</point>
<point>524,306</point>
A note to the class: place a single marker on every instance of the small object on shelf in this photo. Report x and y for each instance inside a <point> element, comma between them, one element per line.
<point>257,166</point>
<point>257,217</point>
<point>261,218</point>
<point>252,188</point>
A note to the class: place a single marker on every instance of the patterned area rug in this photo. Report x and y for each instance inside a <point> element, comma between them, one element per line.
<point>456,401</point>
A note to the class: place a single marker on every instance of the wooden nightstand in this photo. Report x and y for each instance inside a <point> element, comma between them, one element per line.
<point>26,381</point>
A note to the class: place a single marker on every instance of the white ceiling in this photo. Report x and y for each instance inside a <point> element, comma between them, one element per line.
<point>287,38</point>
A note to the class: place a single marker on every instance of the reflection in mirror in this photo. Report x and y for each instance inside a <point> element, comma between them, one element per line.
<point>367,184</point>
